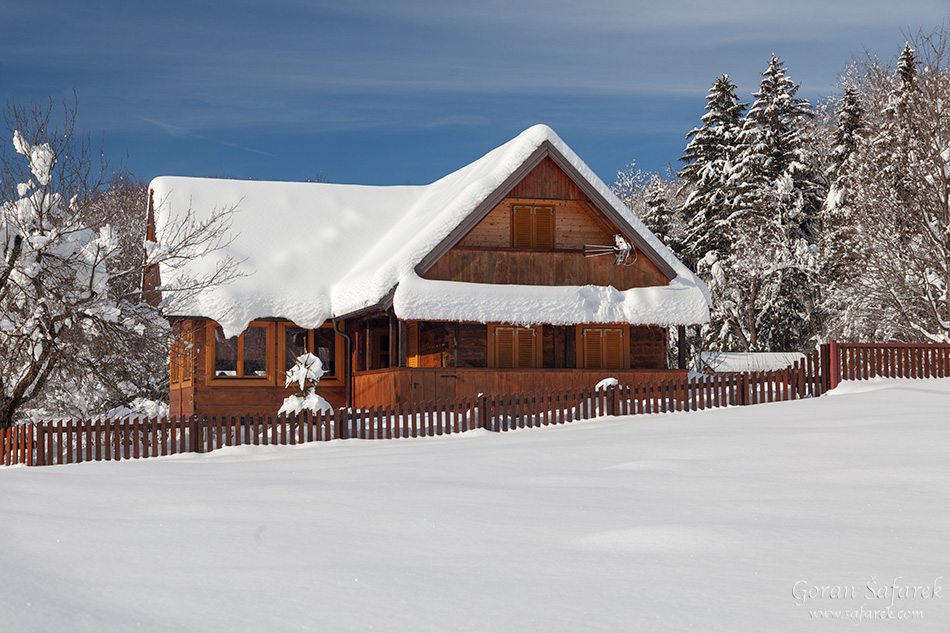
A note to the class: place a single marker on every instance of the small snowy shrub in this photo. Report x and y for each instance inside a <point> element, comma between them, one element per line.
<point>306,373</point>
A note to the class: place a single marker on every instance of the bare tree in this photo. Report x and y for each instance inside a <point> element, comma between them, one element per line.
<point>897,204</point>
<point>73,320</point>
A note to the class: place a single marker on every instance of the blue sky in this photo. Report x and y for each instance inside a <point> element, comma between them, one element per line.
<point>399,92</point>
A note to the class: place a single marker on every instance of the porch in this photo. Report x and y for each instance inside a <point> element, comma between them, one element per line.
<point>441,384</point>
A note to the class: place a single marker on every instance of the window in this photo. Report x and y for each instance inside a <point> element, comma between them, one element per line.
<point>320,342</point>
<point>324,347</point>
<point>514,346</point>
<point>532,226</point>
<point>243,356</point>
<point>602,347</point>
<point>182,354</point>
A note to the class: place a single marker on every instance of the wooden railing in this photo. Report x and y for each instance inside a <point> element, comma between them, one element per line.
<point>69,442</point>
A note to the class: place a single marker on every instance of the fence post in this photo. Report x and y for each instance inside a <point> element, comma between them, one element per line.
<point>343,430</point>
<point>193,434</point>
<point>824,366</point>
<point>40,446</point>
<point>30,445</point>
<point>482,411</point>
<point>834,367</point>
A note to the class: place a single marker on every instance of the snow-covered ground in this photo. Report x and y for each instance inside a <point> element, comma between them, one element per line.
<point>745,519</point>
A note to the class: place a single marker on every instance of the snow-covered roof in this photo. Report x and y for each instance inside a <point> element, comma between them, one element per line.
<point>313,251</point>
<point>757,361</point>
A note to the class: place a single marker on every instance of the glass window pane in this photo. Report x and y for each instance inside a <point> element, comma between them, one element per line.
<point>225,354</point>
<point>255,351</point>
<point>295,344</point>
<point>324,343</point>
<point>175,358</point>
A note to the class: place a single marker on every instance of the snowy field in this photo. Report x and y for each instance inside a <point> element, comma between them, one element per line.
<point>798,516</point>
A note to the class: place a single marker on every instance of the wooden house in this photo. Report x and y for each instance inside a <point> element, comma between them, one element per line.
<point>482,282</point>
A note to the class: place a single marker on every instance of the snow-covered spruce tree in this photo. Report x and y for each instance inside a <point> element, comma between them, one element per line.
<point>898,186</point>
<point>764,284</point>
<point>839,257</point>
<point>655,200</point>
<point>709,157</point>
<point>72,314</point>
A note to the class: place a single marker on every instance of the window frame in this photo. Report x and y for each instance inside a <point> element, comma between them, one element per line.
<point>339,353</point>
<point>538,344</point>
<point>182,356</point>
<point>269,377</point>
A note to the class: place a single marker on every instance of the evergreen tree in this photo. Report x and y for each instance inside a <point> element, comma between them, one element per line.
<point>837,245</point>
<point>709,157</point>
<point>765,282</point>
<point>658,216</point>
<point>849,123</point>
<point>655,200</point>
<point>907,68</point>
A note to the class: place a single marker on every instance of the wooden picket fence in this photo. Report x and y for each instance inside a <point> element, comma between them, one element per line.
<point>69,442</point>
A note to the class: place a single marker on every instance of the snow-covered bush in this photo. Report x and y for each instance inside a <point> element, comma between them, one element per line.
<point>306,373</point>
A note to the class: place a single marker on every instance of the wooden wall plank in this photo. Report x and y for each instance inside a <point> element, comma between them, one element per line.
<point>542,268</point>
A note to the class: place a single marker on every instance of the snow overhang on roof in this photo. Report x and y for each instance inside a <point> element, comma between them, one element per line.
<point>314,251</point>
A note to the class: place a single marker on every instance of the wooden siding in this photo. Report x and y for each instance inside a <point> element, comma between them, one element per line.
<point>474,345</point>
<point>543,268</point>
<point>547,180</point>
<point>647,346</point>
<point>411,384</point>
<point>575,224</point>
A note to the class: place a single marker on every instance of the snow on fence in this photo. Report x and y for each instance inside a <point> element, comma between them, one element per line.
<point>68,442</point>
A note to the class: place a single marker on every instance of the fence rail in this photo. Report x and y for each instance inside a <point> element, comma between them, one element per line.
<point>69,442</point>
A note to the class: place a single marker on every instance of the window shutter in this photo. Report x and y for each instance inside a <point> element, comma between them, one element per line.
<point>520,226</point>
<point>504,347</point>
<point>526,342</point>
<point>613,348</point>
<point>544,227</point>
<point>593,348</point>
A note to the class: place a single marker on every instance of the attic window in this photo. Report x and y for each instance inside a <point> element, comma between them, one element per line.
<point>514,347</point>
<point>532,226</point>
<point>602,347</point>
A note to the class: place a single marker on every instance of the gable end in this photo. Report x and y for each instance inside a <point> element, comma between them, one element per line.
<point>525,179</point>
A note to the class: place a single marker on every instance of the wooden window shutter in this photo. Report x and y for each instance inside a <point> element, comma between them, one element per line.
<point>521,226</point>
<point>505,347</point>
<point>613,348</point>
<point>412,344</point>
<point>593,348</point>
<point>526,343</point>
<point>532,226</point>
<point>544,227</point>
